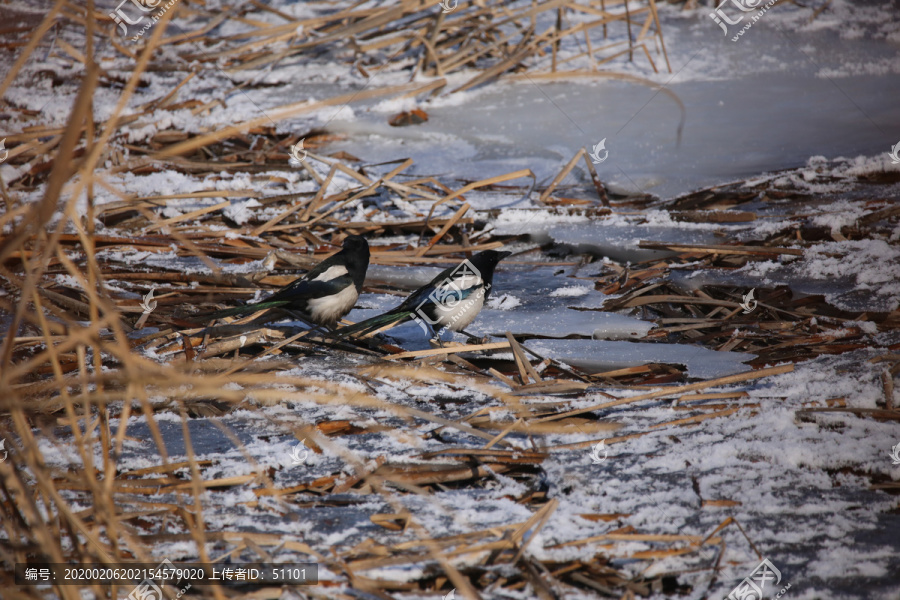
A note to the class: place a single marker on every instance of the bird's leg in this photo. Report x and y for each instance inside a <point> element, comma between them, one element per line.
<point>435,335</point>
<point>322,330</point>
<point>306,319</point>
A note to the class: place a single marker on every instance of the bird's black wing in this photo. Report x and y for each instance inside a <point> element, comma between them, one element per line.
<point>305,289</point>
<point>441,280</point>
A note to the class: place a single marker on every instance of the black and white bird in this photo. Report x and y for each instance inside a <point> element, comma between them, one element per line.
<point>324,294</point>
<point>451,300</point>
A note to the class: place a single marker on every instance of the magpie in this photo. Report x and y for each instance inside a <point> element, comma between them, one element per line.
<point>324,294</point>
<point>451,300</point>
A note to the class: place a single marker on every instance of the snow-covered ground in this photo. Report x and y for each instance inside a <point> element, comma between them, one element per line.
<point>803,89</point>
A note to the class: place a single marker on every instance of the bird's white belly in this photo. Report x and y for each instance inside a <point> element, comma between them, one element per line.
<point>329,309</point>
<point>459,316</point>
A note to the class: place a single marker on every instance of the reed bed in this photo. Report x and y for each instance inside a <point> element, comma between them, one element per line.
<point>83,357</point>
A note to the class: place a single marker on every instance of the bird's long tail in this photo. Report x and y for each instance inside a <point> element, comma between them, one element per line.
<point>242,310</point>
<point>391,317</point>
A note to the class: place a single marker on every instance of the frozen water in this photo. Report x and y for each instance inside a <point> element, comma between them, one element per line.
<point>597,356</point>
<point>767,102</point>
<point>619,241</point>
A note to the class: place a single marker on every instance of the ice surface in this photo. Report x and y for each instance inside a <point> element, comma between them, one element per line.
<point>597,356</point>
<point>560,323</point>
<point>619,240</point>
<point>755,111</point>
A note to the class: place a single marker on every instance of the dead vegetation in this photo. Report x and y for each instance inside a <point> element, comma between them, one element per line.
<point>74,358</point>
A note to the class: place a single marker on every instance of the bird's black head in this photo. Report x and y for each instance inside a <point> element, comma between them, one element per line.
<point>489,259</point>
<point>485,262</point>
<point>356,243</point>
<point>355,250</point>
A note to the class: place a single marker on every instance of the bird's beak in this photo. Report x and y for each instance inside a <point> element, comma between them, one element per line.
<point>503,255</point>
